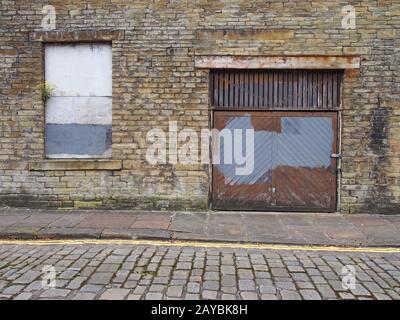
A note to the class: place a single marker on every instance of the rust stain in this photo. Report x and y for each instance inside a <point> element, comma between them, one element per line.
<point>263,124</point>
<point>351,74</point>
<point>304,187</point>
<point>241,195</point>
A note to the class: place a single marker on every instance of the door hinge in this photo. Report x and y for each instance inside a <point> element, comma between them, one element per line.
<point>336,155</point>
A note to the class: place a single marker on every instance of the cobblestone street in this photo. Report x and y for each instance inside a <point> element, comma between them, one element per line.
<point>111,271</point>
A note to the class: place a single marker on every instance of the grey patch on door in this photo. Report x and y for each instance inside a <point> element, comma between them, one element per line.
<point>304,142</point>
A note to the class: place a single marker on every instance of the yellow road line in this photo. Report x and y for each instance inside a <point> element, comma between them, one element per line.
<point>216,245</point>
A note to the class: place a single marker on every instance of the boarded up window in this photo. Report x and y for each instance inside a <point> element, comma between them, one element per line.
<point>79,112</point>
<point>275,89</point>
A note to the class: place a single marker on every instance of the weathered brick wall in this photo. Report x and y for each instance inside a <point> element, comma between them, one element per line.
<point>155,80</point>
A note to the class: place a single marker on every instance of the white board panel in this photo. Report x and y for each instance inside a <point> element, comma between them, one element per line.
<point>79,69</point>
<point>80,110</point>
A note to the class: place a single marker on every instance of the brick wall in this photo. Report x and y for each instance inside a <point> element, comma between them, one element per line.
<point>154,80</point>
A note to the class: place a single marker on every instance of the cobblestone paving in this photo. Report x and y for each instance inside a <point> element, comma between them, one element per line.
<point>165,272</point>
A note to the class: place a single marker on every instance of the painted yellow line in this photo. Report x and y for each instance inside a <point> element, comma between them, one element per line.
<point>216,245</point>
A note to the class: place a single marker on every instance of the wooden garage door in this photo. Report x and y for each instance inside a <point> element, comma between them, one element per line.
<point>293,115</point>
<point>293,167</point>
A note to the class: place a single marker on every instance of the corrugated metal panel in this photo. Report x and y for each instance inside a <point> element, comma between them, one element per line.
<point>275,89</point>
<point>304,174</point>
<point>292,164</point>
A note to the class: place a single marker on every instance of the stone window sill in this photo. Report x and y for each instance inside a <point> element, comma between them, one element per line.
<point>75,165</point>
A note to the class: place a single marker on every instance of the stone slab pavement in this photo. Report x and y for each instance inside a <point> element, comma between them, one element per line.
<point>153,272</point>
<point>246,227</point>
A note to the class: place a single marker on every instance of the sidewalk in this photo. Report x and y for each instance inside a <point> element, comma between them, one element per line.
<point>251,227</point>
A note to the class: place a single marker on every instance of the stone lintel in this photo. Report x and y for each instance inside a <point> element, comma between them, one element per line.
<point>77,36</point>
<point>278,62</point>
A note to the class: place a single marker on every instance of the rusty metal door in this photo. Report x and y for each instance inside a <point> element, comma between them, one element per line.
<point>294,168</point>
